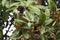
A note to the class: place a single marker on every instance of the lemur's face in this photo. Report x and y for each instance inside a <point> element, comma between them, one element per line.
<point>21,9</point>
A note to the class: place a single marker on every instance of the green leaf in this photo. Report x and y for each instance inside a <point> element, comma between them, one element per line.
<point>42,30</point>
<point>4,2</point>
<point>10,9</point>
<point>42,37</point>
<point>15,33</point>
<point>42,19</point>
<point>52,5</point>
<point>48,21</point>
<point>47,12</point>
<point>26,35</point>
<point>29,24</point>
<point>18,21</point>
<point>7,5</point>
<point>58,35</point>
<point>23,3</point>
<point>41,7</point>
<point>29,16</point>
<point>34,9</point>
<point>14,4</point>
<point>1,33</point>
<point>49,29</point>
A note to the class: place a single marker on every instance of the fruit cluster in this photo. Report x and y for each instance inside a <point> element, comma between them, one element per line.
<point>55,15</point>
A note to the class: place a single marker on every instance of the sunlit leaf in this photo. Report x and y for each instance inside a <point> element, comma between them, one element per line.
<point>48,21</point>
<point>4,2</point>
<point>42,30</point>
<point>52,5</point>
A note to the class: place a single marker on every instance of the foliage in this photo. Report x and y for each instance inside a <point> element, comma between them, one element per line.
<point>34,23</point>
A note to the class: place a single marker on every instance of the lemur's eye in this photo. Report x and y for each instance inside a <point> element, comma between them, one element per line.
<point>21,9</point>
